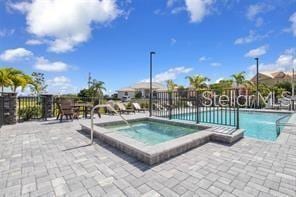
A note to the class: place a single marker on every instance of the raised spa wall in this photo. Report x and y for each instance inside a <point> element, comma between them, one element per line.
<point>154,154</point>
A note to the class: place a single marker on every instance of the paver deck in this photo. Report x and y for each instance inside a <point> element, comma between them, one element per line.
<point>54,159</point>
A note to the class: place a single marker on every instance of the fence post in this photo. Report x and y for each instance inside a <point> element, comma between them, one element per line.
<point>237,109</point>
<point>9,108</point>
<point>47,105</point>
<point>197,106</point>
<point>170,104</point>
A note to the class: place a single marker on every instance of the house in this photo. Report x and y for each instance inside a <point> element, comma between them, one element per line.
<point>272,78</point>
<point>143,87</point>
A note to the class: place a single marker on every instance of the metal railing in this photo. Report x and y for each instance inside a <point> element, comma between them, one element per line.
<point>281,123</point>
<point>198,106</point>
<point>92,119</point>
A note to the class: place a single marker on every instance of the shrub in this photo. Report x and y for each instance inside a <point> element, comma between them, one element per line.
<point>29,113</point>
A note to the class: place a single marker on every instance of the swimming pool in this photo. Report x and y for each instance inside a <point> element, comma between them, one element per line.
<point>150,132</point>
<point>259,125</point>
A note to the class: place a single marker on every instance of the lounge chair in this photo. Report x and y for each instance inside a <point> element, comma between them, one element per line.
<point>159,107</point>
<point>122,108</point>
<point>189,104</point>
<point>138,108</point>
<point>108,110</point>
<point>271,105</point>
<point>285,104</point>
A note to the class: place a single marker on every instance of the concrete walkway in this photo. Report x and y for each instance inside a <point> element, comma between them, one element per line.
<point>54,159</point>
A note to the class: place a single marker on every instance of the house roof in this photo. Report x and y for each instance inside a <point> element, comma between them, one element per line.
<point>126,89</point>
<point>273,75</point>
<point>146,85</point>
<point>142,85</point>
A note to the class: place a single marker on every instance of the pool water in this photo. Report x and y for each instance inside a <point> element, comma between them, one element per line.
<point>151,132</point>
<point>257,125</point>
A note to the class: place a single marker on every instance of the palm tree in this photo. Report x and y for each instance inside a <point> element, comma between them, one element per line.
<point>171,85</point>
<point>5,80</point>
<point>198,81</point>
<point>19,79</point>
<point>239,78</point>
<point>97,87</point>
<point>14,78</point>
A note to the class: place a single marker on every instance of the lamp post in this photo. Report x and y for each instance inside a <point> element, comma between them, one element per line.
<point>293,81</point>
<point>150,95</point>
<point>257,82</point>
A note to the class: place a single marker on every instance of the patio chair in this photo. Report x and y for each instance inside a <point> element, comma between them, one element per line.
<point>122,108</point>
<point>66,109</point>
<point>138,108</point>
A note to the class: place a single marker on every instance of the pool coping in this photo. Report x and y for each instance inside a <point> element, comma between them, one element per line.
<point>154,154</point>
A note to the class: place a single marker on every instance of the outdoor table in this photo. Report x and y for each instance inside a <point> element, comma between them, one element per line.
<point>84,106</point>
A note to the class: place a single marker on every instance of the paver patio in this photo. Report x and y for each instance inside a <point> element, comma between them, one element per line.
<point>53,159</point>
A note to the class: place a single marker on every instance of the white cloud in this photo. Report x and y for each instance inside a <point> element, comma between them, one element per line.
<point>66,23</point>
<point>203,58</point>
<point>251,37</point>
<point>172,74</point>
<point>34,42</point>
<point>285,62</point>
<point>215,64</point>
<point>170,3</point>
<point>45,65</point>
<point>173,41</point>
<point>255,10</point>
<point>198,9</point>
<point>292,19</point>
<point>178,10</point>
<point>61,85</point>
<point>257,52</point>
<point>15,54</point>
<point>6,32</point>
<point>219,79</point>
<point>59,81</point>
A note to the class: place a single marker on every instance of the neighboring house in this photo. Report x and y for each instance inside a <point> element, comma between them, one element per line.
<point>130,92</point>
<point>272,78</point>
<point>143,87</point>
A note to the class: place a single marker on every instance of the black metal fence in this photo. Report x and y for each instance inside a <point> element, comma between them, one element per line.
<point>39,107</point>
<point>1,111</point>
<point>199,106</point>
<point>30,107</point>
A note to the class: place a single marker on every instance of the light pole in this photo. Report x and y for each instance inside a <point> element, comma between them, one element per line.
<point>257,82</point>
<point>150,95</point>
<point>293,81</point>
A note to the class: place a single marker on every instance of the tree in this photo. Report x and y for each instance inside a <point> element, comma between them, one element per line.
<point>286,85</point>
<point>97,88</point>
<point>224,84</point>
<point>171,85</point>
<point>5,81</point>
<point>39,85</point>
<point>198,81</point>
<point>138,95</point>
<point>14,78</point>
<point>239,78</point>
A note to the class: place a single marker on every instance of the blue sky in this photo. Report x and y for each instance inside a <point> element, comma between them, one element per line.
<point>66,39</point>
